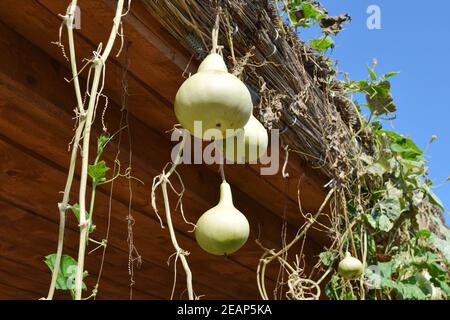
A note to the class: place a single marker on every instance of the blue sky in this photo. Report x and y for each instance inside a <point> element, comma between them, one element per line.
<point>413,39</point>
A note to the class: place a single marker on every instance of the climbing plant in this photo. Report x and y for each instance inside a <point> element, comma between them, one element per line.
<point>387,214</point>
<point>68,273</point>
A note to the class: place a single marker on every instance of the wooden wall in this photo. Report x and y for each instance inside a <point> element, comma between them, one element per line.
<point>36,125</point>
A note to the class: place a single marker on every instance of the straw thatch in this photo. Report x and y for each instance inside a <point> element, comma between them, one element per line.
<point>294,89</point>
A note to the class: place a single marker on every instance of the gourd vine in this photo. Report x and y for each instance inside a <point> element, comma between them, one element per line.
<point>162,181</point>
<point>68,273</point>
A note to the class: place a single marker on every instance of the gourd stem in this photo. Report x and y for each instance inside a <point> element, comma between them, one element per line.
<point>63,208</point>
<point>99,63</point>
<point>364,261</point>
<point>180,252</point>
<point>222,171</point>
<point>83,183</point>
<point>72,53</point>
<point>215,34</point>
<point>69,19</point>
<point>177,160</point>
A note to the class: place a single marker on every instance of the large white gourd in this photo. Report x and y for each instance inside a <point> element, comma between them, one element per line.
<point>215,97</point>
<point>222,229</point>
<point>249,145</point>
<point>350,268</point>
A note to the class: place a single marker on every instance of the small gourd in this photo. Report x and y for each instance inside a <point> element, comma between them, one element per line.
<point>350,268</point>
<point>222,229</point>
<point>248,145</point>
<point>215,97</point>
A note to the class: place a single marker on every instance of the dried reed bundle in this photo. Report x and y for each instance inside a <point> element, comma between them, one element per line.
<point>294,89</point>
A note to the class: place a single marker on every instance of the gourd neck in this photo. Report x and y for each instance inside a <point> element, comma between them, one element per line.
<point>213,62</point>
<point>226,197</point>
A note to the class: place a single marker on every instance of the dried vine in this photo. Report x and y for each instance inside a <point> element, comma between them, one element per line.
<point>162,181</point>
<point>84,120</point>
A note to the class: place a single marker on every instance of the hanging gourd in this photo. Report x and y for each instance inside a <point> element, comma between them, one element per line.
<point>213,96</point>
<point>350,268</point>
<point>222,229</point>
<point>248,145</point>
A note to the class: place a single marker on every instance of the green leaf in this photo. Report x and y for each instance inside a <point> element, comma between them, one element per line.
<point>386,268</point>
<point>304,13</point>
<point>308,10</point>
<point>417,198</point>
<point>322,43</point>
<point>444,285</point>
<point>362,85</point>
<point>371,220</point>
<point>67,271</point>
<point>376,169</point>
<point>395,147</point>
<point>388,283</point>
<point>387,212</point>
<point>424,233</point>
<point>387,161</point>
<point>327,258</point>
<point>383,88</point>
<point>393,192</point>
<point>409,291</point>
<point>379,276</point>
<point>434,199</point>
<point>380,102</point>
<point>384,223</point>
<point>331,287</point>
<point>416,167</point>
<point>372,74</point>
<point>423,283</point>
<point>76,212</point>
<point>348,295</point>
<point>435,269</point>
<point>292,18</point>
<point>442,245</point>
<point>405,146</point>
<point>98,171</point>
<point>393,135</point>
<point>390,75</point>
<point>102,141</point>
